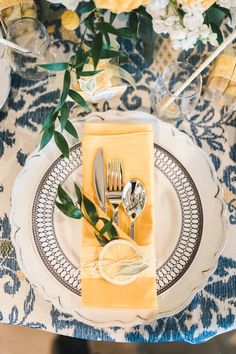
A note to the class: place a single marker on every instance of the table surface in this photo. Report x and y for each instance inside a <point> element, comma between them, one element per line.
<point>212,127</point>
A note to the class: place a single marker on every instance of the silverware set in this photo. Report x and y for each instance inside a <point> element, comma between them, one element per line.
<point>115,185</point>
<point>112,189</point>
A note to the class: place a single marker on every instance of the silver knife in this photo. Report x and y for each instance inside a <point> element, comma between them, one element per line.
<point>100,179</point>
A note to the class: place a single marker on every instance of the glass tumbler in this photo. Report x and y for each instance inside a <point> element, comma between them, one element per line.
<point>32,35</point>
<point>164,90</point>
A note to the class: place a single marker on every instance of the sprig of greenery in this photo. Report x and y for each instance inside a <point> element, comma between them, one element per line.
<point>99,46</point>
<point>85,208</point>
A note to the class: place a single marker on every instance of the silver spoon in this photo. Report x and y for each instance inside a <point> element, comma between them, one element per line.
<point>134,200</point>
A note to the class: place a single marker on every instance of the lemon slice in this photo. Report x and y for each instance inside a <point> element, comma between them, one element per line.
<point>70,20</point>
<point>118,261</point>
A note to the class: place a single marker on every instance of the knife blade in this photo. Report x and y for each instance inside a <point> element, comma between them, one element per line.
<point>99,179</point>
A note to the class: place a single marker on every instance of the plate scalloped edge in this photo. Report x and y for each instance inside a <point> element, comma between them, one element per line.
<point>137,320</point>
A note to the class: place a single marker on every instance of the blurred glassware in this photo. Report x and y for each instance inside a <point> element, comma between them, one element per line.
<point>5,76</point>
<point>31,34</point>
<point>12,10</point>
<point>165,87</point>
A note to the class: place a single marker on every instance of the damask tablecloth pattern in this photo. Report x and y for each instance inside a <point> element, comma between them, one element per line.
<point>213,310</point>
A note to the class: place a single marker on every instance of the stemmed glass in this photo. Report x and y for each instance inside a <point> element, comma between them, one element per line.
<point>165,87</point>
<point>32,35</point>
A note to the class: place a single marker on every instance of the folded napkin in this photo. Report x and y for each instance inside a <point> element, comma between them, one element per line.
<point>222,79</point>
<point>4,4</point>
<point>133,144</point>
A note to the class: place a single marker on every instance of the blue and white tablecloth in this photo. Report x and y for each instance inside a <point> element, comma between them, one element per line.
<point>213,310</point>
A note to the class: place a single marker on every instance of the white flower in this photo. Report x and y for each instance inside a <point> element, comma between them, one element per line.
<point>213,39</point>
<point>164,26</point>
<point>179,34</point>
<point>193,20</point>
<point>232,23</point>
<point>224,3</point>
<point>157,8</point>
<point>206,35</point>
<point>69,4</point>
<point>184,39</point>
<point>184,34</point>
<point>159,26</point>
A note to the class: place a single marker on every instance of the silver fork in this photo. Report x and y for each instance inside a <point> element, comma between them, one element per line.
<point>115,185</point>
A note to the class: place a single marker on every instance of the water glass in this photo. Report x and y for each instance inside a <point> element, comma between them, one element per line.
<point>164,90</point>
<point>32,35</point>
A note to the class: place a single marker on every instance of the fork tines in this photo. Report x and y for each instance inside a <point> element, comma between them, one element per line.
<point>115,176</point>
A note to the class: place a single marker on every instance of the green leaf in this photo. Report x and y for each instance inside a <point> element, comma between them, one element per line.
<point>61,143</point>
<point>90,210</point>
<point>90,73</point>
<point>107,38</point>
<point>88,43</point>
<point>71,129</point>
<point>106,227</point>
<point>80,65</point>
<point>78,99</point>
<point>132,269</point>
<point>63,196</point>
<point>102,240</point>
<point>55,66</point>
<point>47,136</point>
<point>148,37</point>
<point>49,121</point>
<point>133,22</point>
<point>84,8</point>
<point>226,11</point>
<point>65,110</point>
<point>112,232</point>
<point>70,210</point>
<point>66,86</point>
<point>112,54</point>
<point>217,30</point>
<point>112,17</point>
<point>80,57</point>
<point>125,32</point>
<point>89,21</point>
<point>78,194</point>
<point>97,48</point>
<point>215,15</point>
<point>142,11</point>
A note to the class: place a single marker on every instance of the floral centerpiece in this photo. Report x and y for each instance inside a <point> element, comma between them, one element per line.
<point>186,22</point>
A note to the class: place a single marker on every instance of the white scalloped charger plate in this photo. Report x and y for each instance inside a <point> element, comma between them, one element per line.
<point>190,225</point>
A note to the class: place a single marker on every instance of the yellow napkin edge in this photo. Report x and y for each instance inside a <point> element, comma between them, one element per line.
<point>111,128</point>
<point>4,4</point>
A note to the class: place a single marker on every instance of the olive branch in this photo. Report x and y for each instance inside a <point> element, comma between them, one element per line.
<point>85,208</point>
<point>97,47</point>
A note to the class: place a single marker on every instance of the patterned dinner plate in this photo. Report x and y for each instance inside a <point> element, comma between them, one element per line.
<point>189,224</point>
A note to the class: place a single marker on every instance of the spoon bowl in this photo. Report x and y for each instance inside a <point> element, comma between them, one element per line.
<point>133,200</point>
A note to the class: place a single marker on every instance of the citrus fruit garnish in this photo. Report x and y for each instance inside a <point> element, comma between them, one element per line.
<point>119,261</point>
<point>70,20</point>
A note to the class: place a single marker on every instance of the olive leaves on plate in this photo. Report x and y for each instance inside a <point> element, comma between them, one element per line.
<point>85,208</point>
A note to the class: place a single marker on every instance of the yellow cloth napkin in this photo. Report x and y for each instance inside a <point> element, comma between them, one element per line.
<point>133,144</point>
<point>223,76</point>
<point>4,4</point>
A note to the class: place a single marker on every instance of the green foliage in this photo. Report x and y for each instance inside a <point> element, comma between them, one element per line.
<point>214,17</point>
<point>84,208</point>
<point>61,143</point>
<point>147,35</point>
<point>47,136</point>
<point>92,48</point>
<point>71,129</point>
<point>97,48</point>
<point>55,66</point>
